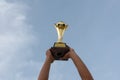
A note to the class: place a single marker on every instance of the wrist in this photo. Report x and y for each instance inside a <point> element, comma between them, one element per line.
<point>49,60</point>
<point>71,54</point>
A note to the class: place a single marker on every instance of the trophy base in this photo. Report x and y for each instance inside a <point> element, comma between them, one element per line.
<point>59,50</point>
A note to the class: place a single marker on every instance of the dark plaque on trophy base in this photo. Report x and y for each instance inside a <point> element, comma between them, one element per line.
<point>59,48</point>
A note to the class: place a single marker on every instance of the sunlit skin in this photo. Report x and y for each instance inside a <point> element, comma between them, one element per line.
<point>81,67</point>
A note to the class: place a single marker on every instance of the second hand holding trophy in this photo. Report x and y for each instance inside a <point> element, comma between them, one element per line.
<point>60,48</point>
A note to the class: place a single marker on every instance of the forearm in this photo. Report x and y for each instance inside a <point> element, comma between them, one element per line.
<point>82,69</point>
<point>44,73</point>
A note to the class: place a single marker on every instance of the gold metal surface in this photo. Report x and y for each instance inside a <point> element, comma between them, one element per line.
<point>60,27</point>
<point>59,44</point>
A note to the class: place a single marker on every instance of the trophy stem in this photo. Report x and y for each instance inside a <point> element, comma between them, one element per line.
<point>60,33</point>
<point>60,39</point>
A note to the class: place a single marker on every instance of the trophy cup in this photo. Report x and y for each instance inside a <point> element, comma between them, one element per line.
<point>59,48</point>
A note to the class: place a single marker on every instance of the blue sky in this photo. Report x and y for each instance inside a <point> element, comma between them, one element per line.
<point>27,31</point>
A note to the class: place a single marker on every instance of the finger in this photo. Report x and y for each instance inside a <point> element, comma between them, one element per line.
<point>64,58</point>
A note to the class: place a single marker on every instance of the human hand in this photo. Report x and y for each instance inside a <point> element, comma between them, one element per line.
<point>68,55</point>
<point>49,56</point>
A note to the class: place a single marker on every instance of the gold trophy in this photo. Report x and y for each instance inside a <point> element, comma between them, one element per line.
<point>60,48</point>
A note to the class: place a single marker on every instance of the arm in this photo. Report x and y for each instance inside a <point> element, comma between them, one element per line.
<point>82,69</point>
<point>44,73</point>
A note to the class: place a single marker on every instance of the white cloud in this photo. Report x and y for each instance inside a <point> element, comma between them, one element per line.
<point>15,38</point>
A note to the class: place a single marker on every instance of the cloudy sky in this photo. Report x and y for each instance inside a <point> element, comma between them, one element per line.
<point>27,31</point>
